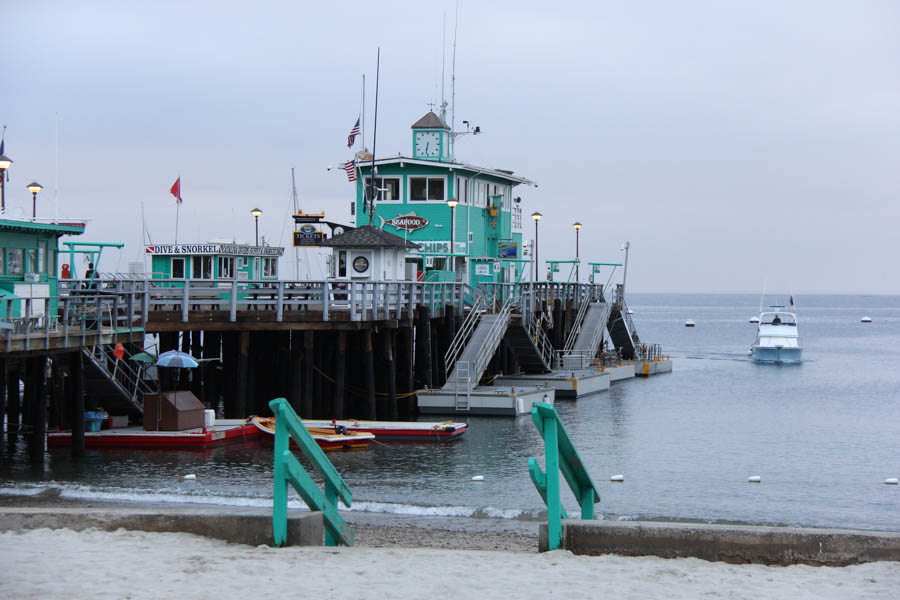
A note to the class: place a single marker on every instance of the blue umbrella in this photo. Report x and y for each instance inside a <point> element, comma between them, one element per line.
<point>174,358</point>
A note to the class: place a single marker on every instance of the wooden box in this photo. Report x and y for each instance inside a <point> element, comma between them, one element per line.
<point>172,411</point>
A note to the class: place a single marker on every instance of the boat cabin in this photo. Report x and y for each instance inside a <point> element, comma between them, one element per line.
<point>213,262</point>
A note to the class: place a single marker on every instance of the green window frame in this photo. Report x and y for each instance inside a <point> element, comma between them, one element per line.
<point>16,257</point>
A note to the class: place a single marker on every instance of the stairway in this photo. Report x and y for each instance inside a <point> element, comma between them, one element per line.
<point>586,345</point>
<point>621,331</point>
<point>533,353</point>
<point>478,352</point>
<point>118,388</point>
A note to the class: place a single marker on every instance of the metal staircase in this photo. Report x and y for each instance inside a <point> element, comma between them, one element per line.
<point>475,355</point>
<point>621,328</point>
<point>528,340</point>
<point>117,385</point>
<point>590,334</point>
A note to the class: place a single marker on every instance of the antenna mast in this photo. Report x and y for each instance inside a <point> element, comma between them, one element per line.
<point>443,68</point>
<point>296,208</point>
<point>453,86</point>
<point>374,137</point>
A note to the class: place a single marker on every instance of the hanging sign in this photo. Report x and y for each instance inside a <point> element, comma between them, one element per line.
<point>307,235</point>
<point>507,249</point>
<point>408,222</point>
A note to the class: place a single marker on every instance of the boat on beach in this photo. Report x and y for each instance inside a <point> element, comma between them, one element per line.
<point>224,431</point>
<point>414,431</point>
<point>777,338</point>
<point>329,439</point>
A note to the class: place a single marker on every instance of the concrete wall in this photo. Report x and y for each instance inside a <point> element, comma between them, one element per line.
<point>728,543</point>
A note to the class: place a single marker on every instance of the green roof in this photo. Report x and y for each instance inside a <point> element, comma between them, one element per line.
<point>57,227</point>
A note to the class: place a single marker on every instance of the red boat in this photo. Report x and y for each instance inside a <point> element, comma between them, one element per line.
<point>224,431</point>
<point>328,439</point>
<point>417,431</point>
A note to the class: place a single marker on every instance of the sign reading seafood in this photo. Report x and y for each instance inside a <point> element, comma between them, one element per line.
<point>409,222</point>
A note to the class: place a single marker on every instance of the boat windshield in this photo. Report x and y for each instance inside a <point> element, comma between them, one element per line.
<point>778,318</point>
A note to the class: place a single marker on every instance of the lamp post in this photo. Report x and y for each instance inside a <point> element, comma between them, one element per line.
<point>577,227</point>
<point>4,165</point>
<point>34,187</point>
<point>256,212</point>
<point>625,247</point>
<point>537,217</point>
<point>452,204</point>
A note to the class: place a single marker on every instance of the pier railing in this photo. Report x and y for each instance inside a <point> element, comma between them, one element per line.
<point>83,317</point>
<point>319,300</point>
<point>288,470</point>
<point>559,455</point>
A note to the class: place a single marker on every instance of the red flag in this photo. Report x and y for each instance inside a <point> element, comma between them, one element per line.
<point>176,189</point>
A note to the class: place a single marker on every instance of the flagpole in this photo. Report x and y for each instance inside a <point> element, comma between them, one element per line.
<point>177,208</point>
<point>374,137</point>
<point>143,238</point>
<point>363,129</point>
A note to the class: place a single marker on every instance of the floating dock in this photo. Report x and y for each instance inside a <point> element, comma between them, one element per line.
<point>575,383</point>
<point>484,400</point>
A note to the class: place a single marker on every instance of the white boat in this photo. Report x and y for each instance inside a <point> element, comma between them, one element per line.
<point>689,323</point>
<point>777,338</point>
<point>866,319</point>
<point>754,319</point>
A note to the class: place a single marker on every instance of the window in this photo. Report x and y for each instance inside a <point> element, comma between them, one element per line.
<point>15,261</point>
<point>270,267</point>
<point>226,267</point>
<point>202,268</point>
<point>422,189</point>
<point>31,267</point>
<point>51,263</point>
<point>342,264</point>
<point>177,268</point>
<point>41,257</point>
<point>388,189</point>
<point>2,261</point>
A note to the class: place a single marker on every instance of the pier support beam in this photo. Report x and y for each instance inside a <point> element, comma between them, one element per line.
<point>340,365</point>
<point>391,372</point>
<point>212,349</point>
<point>38,406</point>
<point>295,396</point>
<point>406,381</point>
<point>243,373</point>
<point>13,400</point>
<point>308,350</point>
<point>75,396</point>
<point>230,344</point>
<point>423,348</point>
<point>2,398</point>
<point>370,375</point>
<point>197,375</point>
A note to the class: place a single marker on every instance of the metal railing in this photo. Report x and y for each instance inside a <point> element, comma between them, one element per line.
<point>494,334</point>
<point>535,329</point>
<point>576,325</point>
<point>126,376</point>
<point>458,344</point>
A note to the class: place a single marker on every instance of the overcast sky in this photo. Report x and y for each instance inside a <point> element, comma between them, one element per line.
<point>735,145</point>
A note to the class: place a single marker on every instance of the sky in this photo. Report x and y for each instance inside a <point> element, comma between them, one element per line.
<point>736,146</point>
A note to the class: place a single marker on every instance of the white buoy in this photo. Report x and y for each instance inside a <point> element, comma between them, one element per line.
<point>189,477</point>
<point>754,479</point>
<point>619,478</point>
<point>478,478</point>
<point>866,319</point>
<point>891,481</point>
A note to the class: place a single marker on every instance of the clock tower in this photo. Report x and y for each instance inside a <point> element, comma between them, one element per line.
<point>431,138</point>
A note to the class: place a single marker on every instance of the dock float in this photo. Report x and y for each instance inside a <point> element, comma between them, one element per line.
<point>572,383</point>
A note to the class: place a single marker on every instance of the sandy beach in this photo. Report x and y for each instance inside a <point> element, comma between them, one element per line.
<point>46,563</point>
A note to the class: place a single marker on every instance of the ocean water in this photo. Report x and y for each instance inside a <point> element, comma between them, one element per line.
<point>822,435</point>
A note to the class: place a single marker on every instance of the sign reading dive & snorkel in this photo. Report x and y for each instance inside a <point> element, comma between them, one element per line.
<point>207,249</point>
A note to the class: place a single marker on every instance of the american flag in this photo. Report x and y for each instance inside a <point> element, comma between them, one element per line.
<point>353,133</point>
<point>350,169</point>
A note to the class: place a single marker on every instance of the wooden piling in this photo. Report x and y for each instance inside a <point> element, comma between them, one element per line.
<point>308,357</point>
<point>295,395</point>
<point>340,364</point>
<point>370,375</point>
<point>35,381</point>
<point>423,348</point>
<point>212,349</point>
<point>230,352</point>
<point>197,374</point>
<point>75,400</point>
<point>391,372</point>
<point>2,398</point>
<point>243,373</point>
<point>13,400</point>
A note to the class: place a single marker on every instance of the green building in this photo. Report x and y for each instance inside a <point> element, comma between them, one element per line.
<point>213,262</point>
<point>28,264</point>
<point>467,220</point>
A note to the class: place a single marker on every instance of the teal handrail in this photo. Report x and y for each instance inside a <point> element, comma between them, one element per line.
<point>559,455</point>
<point>289,470</point>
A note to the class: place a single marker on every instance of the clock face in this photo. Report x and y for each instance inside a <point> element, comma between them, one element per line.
<point>428,143</point>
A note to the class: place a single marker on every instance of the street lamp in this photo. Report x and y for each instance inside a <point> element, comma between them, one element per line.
<point>625,247</point>
<point>34,187</point>
<point>4,165</point>
<point>451,202</point>
<point>256,212</point>
<point>537,217</point>
<point>577,227</point>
